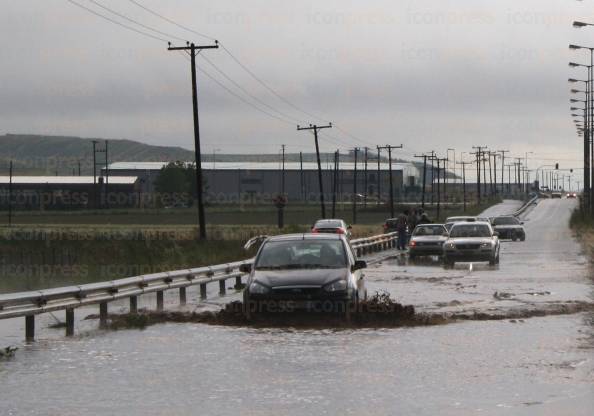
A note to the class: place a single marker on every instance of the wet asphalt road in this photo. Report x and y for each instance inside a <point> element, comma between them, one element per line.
<point>529,366</point>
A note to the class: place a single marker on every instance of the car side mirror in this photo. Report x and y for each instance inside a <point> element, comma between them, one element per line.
<point>245,268</point>
<point>359,264</point>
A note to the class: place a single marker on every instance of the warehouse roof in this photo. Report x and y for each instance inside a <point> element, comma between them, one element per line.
<point>66,180</point>
<point>408,168</point>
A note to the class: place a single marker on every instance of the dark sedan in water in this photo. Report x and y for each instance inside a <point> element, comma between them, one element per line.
<point>316,272</point>
<point>509,227</point>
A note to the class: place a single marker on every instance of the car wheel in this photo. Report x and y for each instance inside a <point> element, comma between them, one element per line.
<point>497,259</point>
<point>514,237</point>
<point>523,238</point>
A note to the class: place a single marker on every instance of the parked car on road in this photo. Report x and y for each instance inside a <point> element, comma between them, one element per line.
<point>556,195</point>
<point>316,272</point>
<point>509,227</point>
<point>427,240</point>
<point>572,195</point>
<point>391,225</point>
<point>470,242</point>
<point>464,218</point>
<point>333,226</point>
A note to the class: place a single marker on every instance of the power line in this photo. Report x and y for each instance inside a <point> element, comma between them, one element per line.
<point>239,97</point>
<point>134,21</point>
<point>250,72</point>
<point>116,22</point>
<point>253,97</point>
<point>170,21</point>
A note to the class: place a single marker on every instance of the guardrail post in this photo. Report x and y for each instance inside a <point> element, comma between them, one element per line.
<point>103,314</point>
<point>69,322</point>
<point>237,282</point>
<point>134,304</point>
<point>160,300</point>
<point>29,327</point>
<point>182,296</point>
<point>222,288</point>
<point>203,291</point>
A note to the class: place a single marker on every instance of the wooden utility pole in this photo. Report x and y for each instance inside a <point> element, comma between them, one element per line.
<point>365,180</point>
<point>10,195</point>
<point>197,152</point>
<point>335,183</point>
<point>479,155</point>
<point>315,129</point>
<point>356,151</point>
<point>390,147</point>
<point>464,181</point>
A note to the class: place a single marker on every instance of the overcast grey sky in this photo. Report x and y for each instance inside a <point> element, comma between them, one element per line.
<point>430,74</point>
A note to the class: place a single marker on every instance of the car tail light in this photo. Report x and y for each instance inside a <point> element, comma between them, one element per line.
<point>339,231</point>
<point>412,243</point>
<point>315,230</point>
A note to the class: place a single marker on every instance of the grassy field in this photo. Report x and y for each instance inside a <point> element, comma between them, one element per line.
<point>223,215</point>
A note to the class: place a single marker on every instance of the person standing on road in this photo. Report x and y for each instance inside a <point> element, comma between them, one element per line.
<point>412,221</point>
<point>401,228</point>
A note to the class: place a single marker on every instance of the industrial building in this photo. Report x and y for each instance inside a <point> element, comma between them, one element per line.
<point>231,182</point>
<point>67,192</point>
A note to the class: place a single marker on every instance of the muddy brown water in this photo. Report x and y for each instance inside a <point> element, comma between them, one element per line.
<point>521,363</point>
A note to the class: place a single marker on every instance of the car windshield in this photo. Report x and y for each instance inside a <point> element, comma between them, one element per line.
<point>328,224</point>
<point>302,254</point>
<point>506,221</point>
<point>429,230</point>
<point>470,230</point>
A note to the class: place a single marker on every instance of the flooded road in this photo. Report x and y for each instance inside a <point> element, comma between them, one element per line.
<point>540,365</point>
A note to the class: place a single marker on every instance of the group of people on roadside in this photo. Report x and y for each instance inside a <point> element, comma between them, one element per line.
<point>406,223</point>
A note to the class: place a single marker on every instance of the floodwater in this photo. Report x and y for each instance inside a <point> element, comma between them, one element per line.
<point>540,365</point>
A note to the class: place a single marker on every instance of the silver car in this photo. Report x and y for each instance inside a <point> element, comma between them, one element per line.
<point>470,242</point>
<point>427,240</point>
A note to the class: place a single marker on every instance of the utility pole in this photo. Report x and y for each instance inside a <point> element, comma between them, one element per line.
<point>301,175</point>
<point>365,180</point>
<point>503,152</point>
<point>94,174</point>
<point>518,173</point>
<point>379,193</point>
<point>10,195</point>
<point>197,151</point>
<point>315,129</point>
<point>355,187</point>
<point>494,154</point>
<point>444,160</point>
<point>464,181</point>
<point>390,147</point>
<point>106,175</point>
<point>335,183</point>
<point>489,153</point>
<point>479,154</point>
<point>424,178</point>
<point>283,173</point>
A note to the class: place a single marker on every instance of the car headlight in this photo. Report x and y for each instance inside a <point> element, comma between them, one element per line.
<point>258,289</point>
<point>336,286</point>
<point>486,245</point>
<point>449,245</point>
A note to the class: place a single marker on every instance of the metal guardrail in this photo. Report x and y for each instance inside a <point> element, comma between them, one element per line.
<point>29,304</point>
<point>526,206</point>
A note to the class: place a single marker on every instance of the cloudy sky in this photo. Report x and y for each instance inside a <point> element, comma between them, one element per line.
<point>430,74</point>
